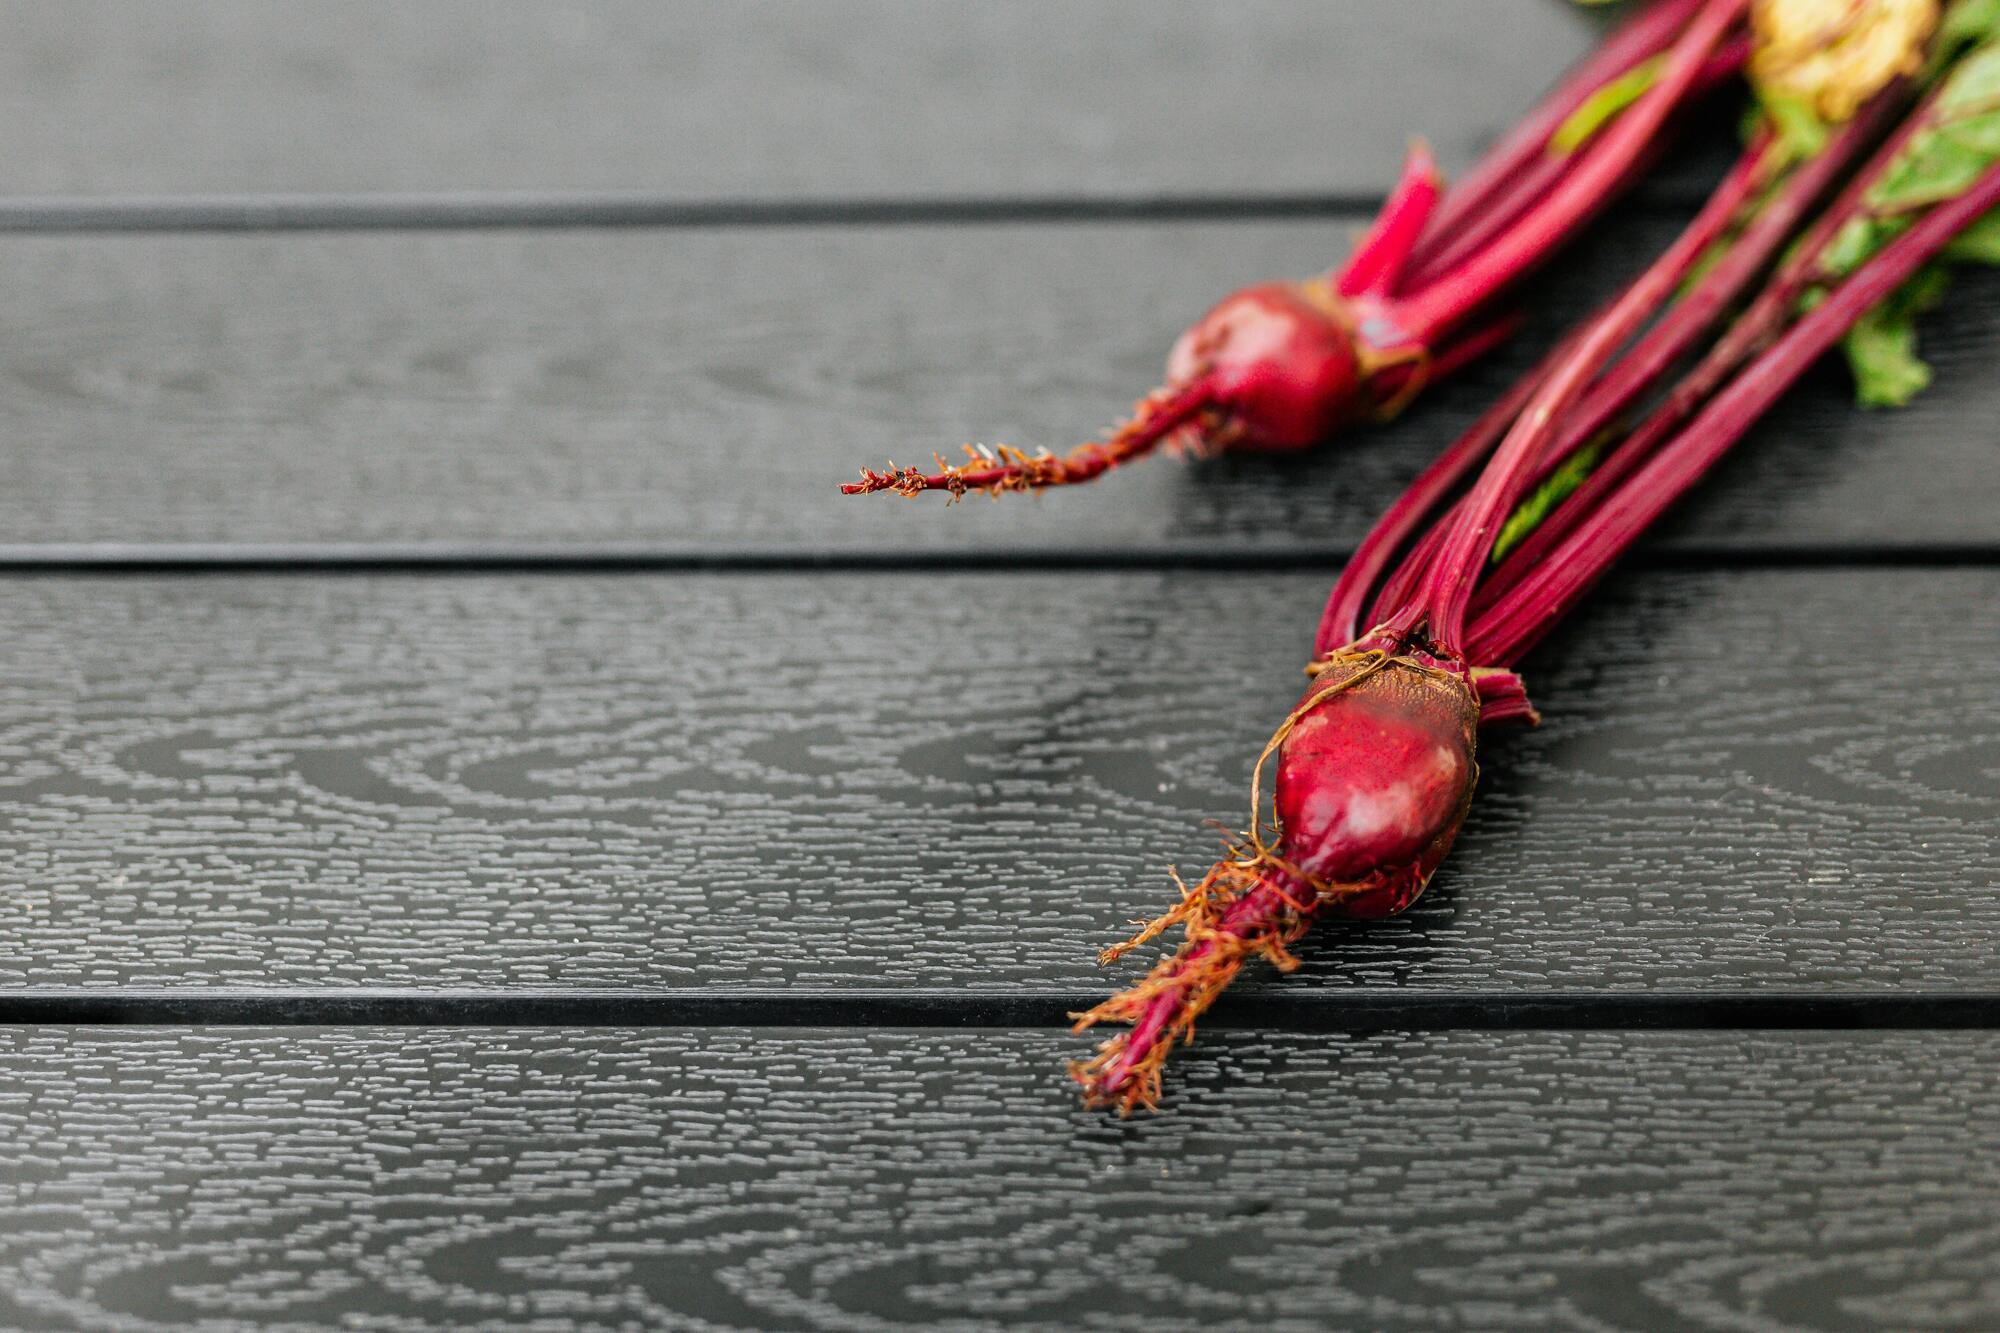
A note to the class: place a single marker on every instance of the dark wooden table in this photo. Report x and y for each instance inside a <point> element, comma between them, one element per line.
<point>491,839</point>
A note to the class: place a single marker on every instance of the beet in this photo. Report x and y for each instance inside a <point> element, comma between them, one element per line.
<point>1375,772</point>
<point>1283,366</point>
<point>1279,363</point>
<point>1373,781</point>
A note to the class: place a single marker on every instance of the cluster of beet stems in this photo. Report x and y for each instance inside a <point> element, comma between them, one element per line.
<point>1374,768</point>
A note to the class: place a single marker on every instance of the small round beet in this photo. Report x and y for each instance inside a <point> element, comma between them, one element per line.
<point>1374,780</point>
<point>1281,365</point>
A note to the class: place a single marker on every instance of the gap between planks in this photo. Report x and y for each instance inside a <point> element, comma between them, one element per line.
<point>1296,1010</point>
<point>149,558</point>
<point>486,210</point>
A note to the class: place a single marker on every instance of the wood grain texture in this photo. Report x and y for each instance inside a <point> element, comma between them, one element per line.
<point>1778,781</point>
<point>773,99</point>
<point>705,392</point>
<point>878,1180</point>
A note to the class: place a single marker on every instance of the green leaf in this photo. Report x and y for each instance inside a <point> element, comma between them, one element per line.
<point>1703,264</point>
<point>1558,486</point>
<point>1978,243</point>
<point>1883,357</point>
<point>1981,134</point>
<point>1936,167</point>
<point>1939,163</point>
<point>1853,244</point>
<point>1967,23</point>
<point>1882,346</point>
<point>1602,106</point>
<point>1801,133</point>
<point>1973,82</point>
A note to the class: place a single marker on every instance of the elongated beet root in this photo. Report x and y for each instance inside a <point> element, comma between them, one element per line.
<point>1283,366</point>
<point>1375,771</point>
<point>1374,779</point>
<point>1272,368</point>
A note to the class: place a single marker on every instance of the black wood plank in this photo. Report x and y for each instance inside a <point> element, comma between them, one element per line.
<point>764,101</point>
<point>1773,782</point>
<point>701,394</point>
<point>815,1179</point>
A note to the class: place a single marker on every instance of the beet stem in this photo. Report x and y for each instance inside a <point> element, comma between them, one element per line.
<point>1534,183</point>
<point>1524,614</point>
<point>1605,162</point>
<point>1448,585</point>
<point>1506,208</point>
<point>1340,622</point>
<point>1640,39</point>
<point>1377,262</point>
<point>1677,331</point>
<point>1468,347</point>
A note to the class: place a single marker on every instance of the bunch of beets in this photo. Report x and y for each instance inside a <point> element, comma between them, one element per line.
<point>1870,163</point>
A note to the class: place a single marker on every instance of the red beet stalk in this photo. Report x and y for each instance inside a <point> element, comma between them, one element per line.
<point>1281,366</point>
<point>1538,601</point>
<point>1341,622</point>
<point>1673,337</point>
<point>1523,151</point>
<point>1762,322</point>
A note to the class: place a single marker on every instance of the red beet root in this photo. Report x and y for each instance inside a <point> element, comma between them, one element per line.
<point>1375,771</point>
<point>1278,360</point>
<point>1373,782</point>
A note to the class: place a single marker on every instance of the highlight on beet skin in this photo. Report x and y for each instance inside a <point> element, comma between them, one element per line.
<point>1824,234</point>
<point>1282,366</point>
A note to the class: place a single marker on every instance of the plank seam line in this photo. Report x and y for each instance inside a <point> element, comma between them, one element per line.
<point>483,210</point>
<point>1290,1009</point>
<point>530,558</point>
